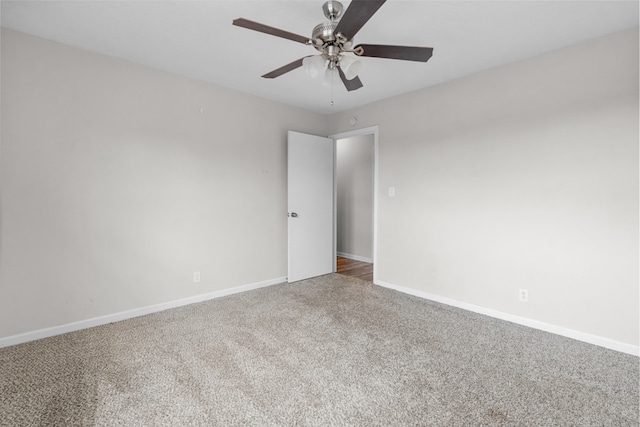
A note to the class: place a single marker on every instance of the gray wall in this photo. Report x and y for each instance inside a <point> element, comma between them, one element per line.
<point>116,188</point>
<point>354,198</point>
<point>524,176</point>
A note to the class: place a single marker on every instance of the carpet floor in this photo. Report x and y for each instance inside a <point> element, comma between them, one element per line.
<point>332,350</point>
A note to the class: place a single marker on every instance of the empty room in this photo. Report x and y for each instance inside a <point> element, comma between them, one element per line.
<point>182,184</point>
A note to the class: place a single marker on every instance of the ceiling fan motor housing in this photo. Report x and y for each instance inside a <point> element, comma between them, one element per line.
<point>330,45</point>
<point>323,33</point>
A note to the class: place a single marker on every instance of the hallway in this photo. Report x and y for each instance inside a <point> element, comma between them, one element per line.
<point>349,267</point>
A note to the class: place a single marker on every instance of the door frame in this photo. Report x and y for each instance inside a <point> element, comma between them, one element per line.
<point>372,130</point>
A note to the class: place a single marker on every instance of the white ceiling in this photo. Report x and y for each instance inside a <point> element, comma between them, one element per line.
<point>196,39</point>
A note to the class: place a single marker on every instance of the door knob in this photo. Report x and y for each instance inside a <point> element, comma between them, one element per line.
<point>294,215</point>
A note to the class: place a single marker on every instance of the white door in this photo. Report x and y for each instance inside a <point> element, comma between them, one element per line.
<point>310,204</point>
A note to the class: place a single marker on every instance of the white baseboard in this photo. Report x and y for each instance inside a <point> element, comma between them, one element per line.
<point>355,257</point>
<point>547,327</point>
<point>116,317</point>
<point>123,315</point>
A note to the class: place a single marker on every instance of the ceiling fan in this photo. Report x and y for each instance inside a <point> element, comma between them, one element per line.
<point>334,39</point>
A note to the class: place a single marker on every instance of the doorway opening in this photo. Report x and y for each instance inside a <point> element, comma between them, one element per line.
<point>353,268</point>
<point>355,202</point>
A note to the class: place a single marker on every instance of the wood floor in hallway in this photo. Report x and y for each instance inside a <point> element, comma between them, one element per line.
<point>359,269</point>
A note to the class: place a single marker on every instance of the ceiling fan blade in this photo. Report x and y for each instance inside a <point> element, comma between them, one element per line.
<point>407,53</point>
<point>284,69</point>
<point>357,14</point>
<point>352,84</point>
<point>256,26</point>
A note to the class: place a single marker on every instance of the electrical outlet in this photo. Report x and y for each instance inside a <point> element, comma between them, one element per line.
<point>196,277</point>
<point>523,295</point>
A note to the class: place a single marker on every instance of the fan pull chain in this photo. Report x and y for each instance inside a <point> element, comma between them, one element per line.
<point>332,76</point>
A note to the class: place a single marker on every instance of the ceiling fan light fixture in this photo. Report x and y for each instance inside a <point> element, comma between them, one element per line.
<point>330,74</point>
<point>314,65</point>
<point>350,67</point>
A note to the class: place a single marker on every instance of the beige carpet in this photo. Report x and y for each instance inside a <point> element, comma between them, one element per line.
<point>328,351</point>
